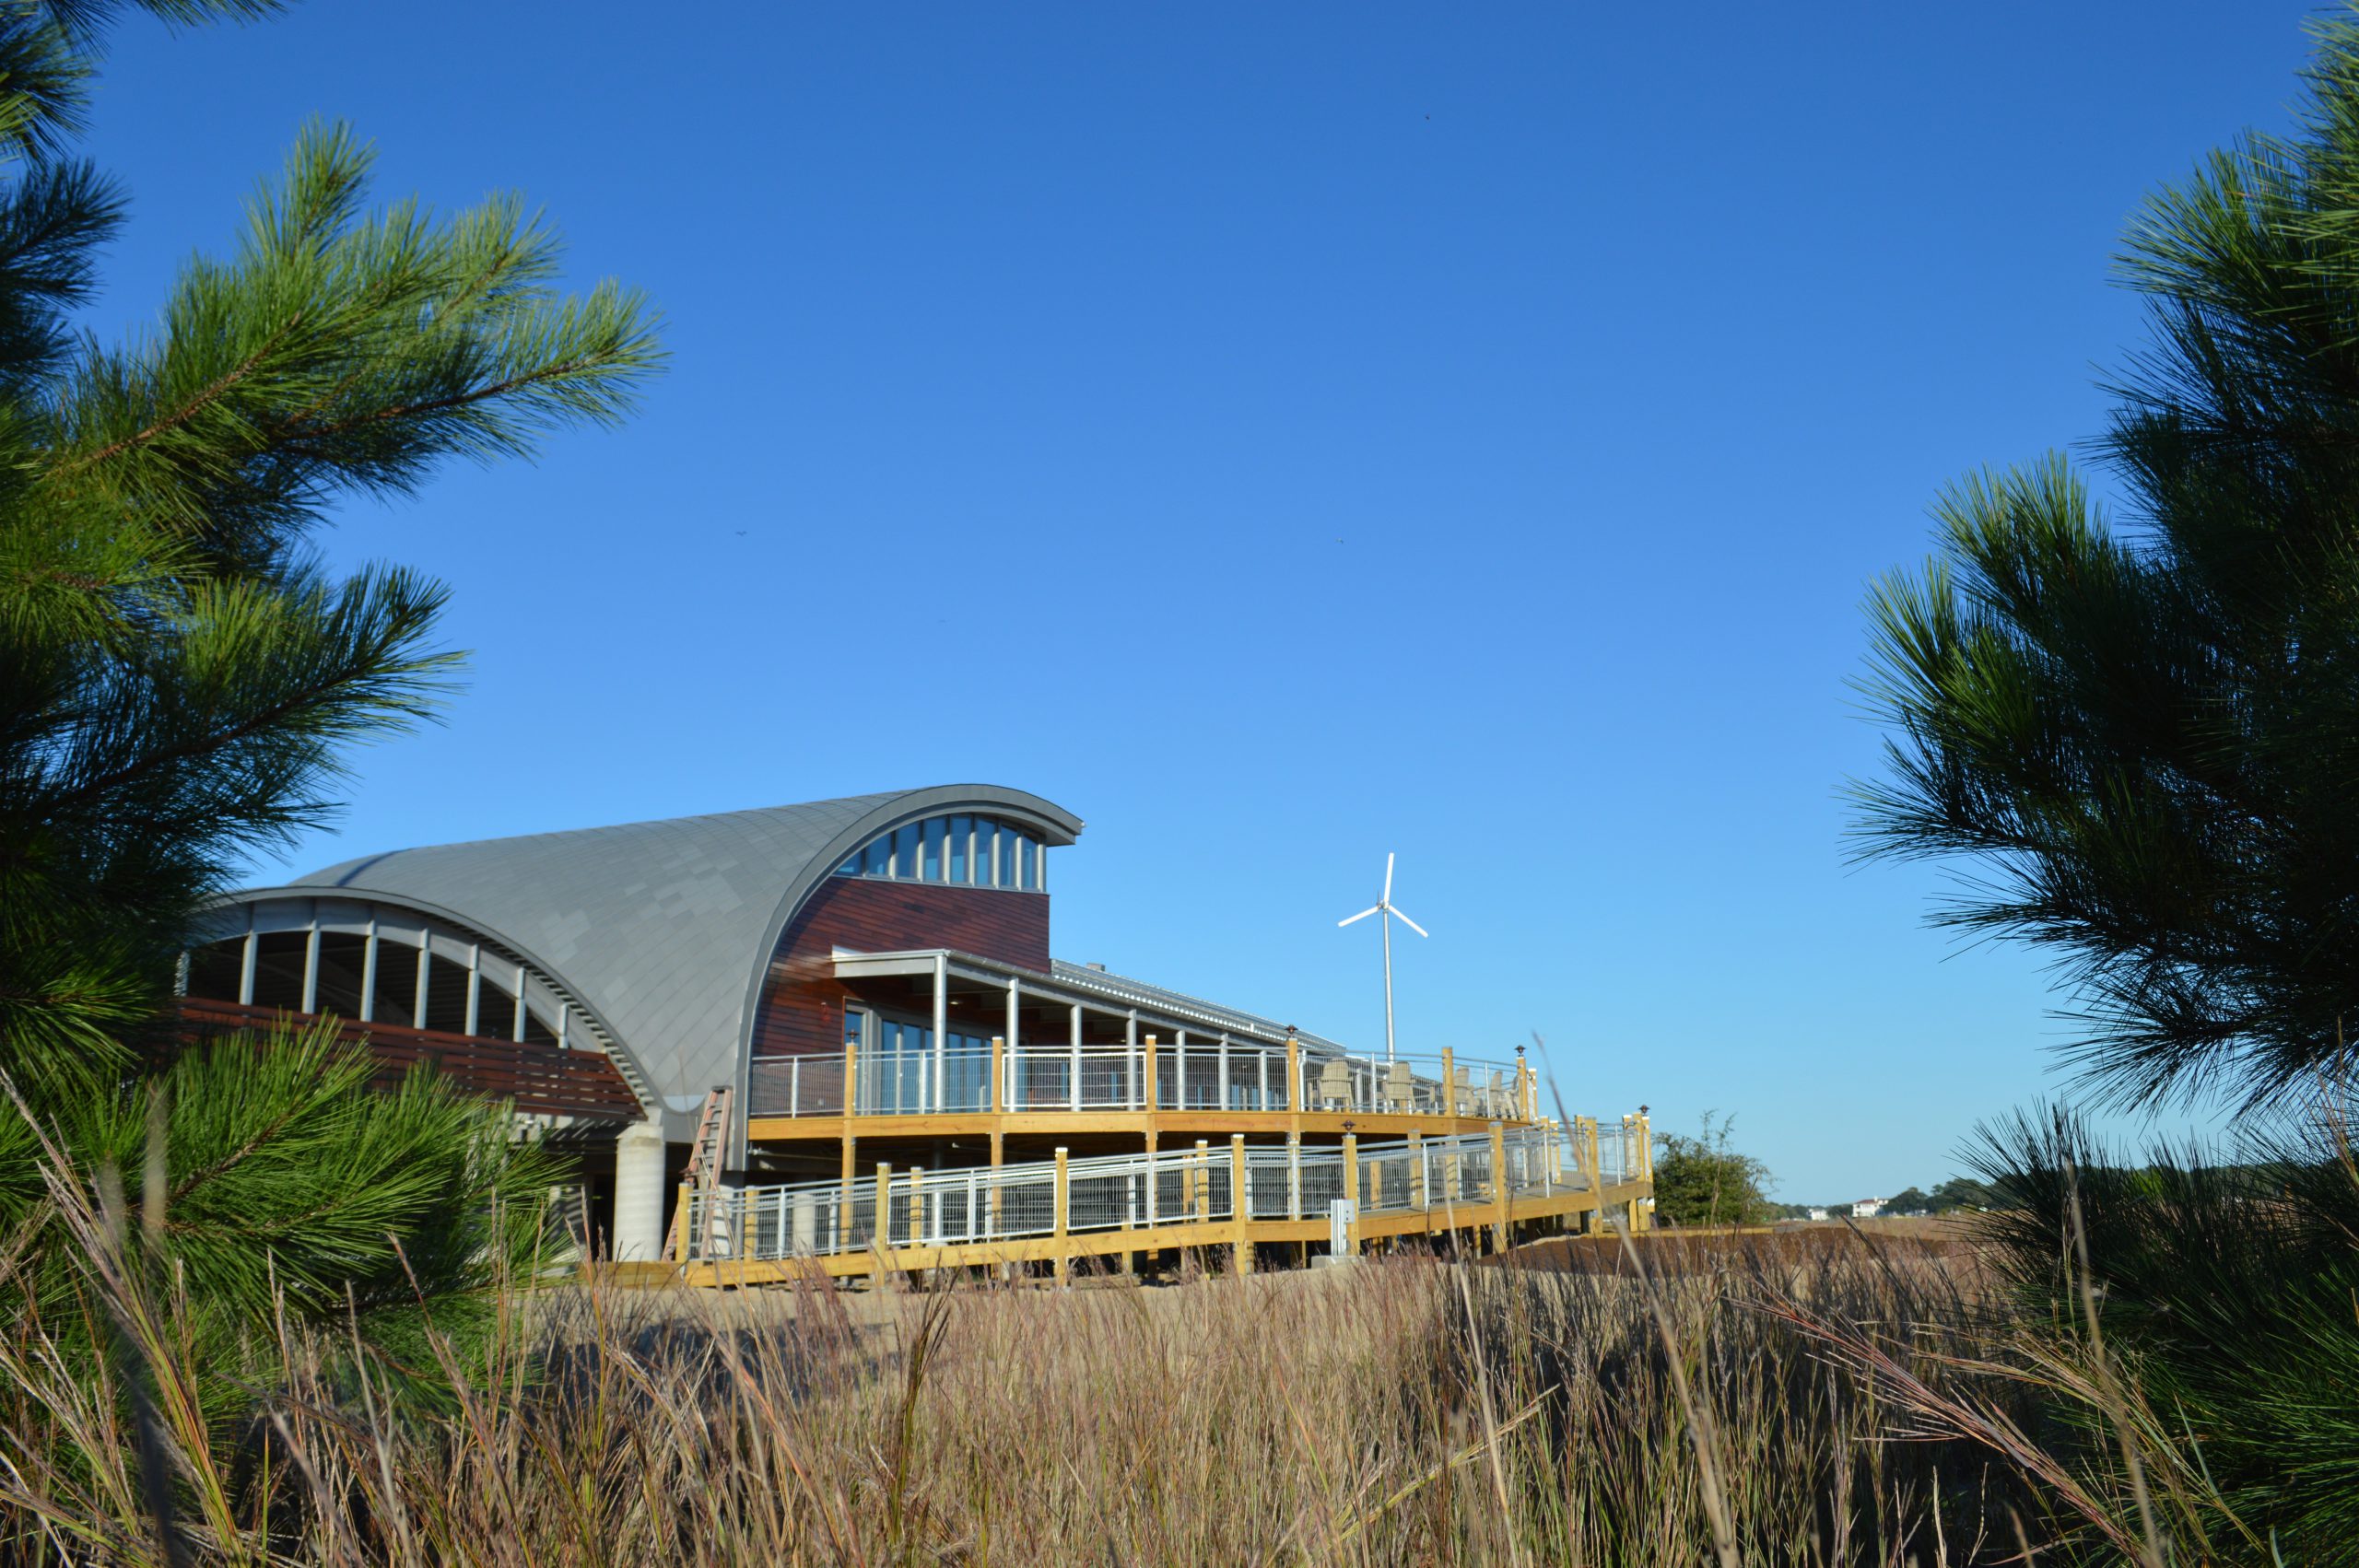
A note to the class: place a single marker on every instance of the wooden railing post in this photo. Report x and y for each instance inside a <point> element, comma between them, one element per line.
<point>999,1074</point>
<point>1154,1090</point>
<point>880,1235</point>
<point>1352,1190</point>
<point>998,1208</point>
<point>1416,1170</point>
<point>1294,1076</point>
<point>1450,1083</point>
<point>1063,1219</point>
<point>1240,1247</point>
<point>1502,1192</point>
<point>1596,1171</point>
<point>681,1246</point>
<point>1130,1223</point>
<point>917,1205</point>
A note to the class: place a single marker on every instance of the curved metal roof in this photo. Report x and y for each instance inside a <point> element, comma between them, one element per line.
<point>663,928</point>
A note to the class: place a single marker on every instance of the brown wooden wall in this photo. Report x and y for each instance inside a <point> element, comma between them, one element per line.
<point>802,1010</point>
<point>539,1078</point>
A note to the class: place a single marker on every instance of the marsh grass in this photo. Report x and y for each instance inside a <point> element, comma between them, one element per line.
<point>1404,1411</point>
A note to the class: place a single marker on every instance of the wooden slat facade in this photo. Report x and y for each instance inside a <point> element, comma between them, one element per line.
<point>802,1010</point>
<point>540,1079</point>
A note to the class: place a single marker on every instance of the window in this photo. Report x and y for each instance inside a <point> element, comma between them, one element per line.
<point>396,998</point>
<point>965,851</point>
<point>446,995</point>
<point>343,955</point>
<point>215,969</point>
<point>495,1011</point>
<point>279,969</point>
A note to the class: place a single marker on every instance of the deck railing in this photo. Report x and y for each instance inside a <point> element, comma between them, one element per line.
<point>1048,1078</point>
<point>1144,1192</point>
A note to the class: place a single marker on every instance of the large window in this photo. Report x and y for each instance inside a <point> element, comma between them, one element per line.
<point>339,967</point>
<point>902,1073</point>
<point>963,851</point>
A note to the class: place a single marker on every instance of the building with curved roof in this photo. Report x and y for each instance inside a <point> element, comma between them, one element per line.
<point>770,994</point>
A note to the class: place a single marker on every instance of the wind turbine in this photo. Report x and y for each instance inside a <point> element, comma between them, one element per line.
<point>1383,906</point>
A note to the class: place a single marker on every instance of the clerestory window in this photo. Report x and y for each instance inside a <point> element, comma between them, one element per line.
<point>960,850</point>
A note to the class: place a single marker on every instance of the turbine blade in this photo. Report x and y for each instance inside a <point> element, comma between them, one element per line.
<point>1408,923</point>
<point>1363,914</point>
<point>1388,879</point>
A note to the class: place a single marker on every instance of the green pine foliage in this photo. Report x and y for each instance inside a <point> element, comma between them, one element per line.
<point>285,1185</point>
<point>181,684</point>
<point>2146,738</point>
<point>2231,1290</point>
<point>2142,738</point>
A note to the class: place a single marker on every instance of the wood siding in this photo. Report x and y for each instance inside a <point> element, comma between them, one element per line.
<point>537,1078</point>
<point>803,1003</point>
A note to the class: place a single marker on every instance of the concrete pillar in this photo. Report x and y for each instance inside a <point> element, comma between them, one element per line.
<point>639,1194</point>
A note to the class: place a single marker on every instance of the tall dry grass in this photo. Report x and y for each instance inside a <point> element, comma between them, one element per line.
<point>1403,1411</point>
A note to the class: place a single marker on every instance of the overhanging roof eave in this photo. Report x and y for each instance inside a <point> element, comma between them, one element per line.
<point>1097,989</point>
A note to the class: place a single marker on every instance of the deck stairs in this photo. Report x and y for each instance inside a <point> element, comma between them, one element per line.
<point>702,1178</point>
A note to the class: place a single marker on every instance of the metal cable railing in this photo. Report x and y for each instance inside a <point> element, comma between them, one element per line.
<point>1039,1076</point>
<point>1182,1186</point>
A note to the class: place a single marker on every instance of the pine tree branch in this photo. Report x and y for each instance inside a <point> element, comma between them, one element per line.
<point>187,411</point>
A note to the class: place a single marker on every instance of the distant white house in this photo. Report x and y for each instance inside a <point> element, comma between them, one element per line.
<point>1818,1213</point>
<point>1869,1208</point>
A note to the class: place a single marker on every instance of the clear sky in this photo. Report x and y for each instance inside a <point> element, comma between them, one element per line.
<point>1281,435</point>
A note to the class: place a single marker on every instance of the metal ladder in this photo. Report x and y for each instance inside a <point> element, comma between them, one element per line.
<point>703,1179</point>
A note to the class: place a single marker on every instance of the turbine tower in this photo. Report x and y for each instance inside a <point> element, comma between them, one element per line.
<point>1383,906</point>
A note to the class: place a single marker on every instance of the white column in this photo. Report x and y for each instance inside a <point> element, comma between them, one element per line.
<point>940,1026</point>
<point>425,968</point>
<point>639,1194</point>
<point>1130,1072</point>
<point>311,969</point>
<point>1224,1070</point>
<point>368,972</point>
<point>1072,1083</point>
<point>246,963</point>
<point>1019,1086</point>
<point>1179,1067</point>
<point>474,984</point>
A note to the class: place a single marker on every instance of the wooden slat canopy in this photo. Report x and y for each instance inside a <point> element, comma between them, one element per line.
<point>541,1079</point>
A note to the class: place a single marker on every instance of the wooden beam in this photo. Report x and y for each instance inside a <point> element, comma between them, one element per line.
<point>1240,1248</point>
<point>1352,1190</point>
<point>1063,1218</point>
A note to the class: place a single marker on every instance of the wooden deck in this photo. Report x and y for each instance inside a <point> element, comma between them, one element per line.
<point>1521,1218</point>
<point>1494,1185</point>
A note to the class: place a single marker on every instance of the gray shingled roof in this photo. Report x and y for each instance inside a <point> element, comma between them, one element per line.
<point>662,929</point>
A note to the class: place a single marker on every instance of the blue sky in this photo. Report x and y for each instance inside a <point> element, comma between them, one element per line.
<point>1281,435</point>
